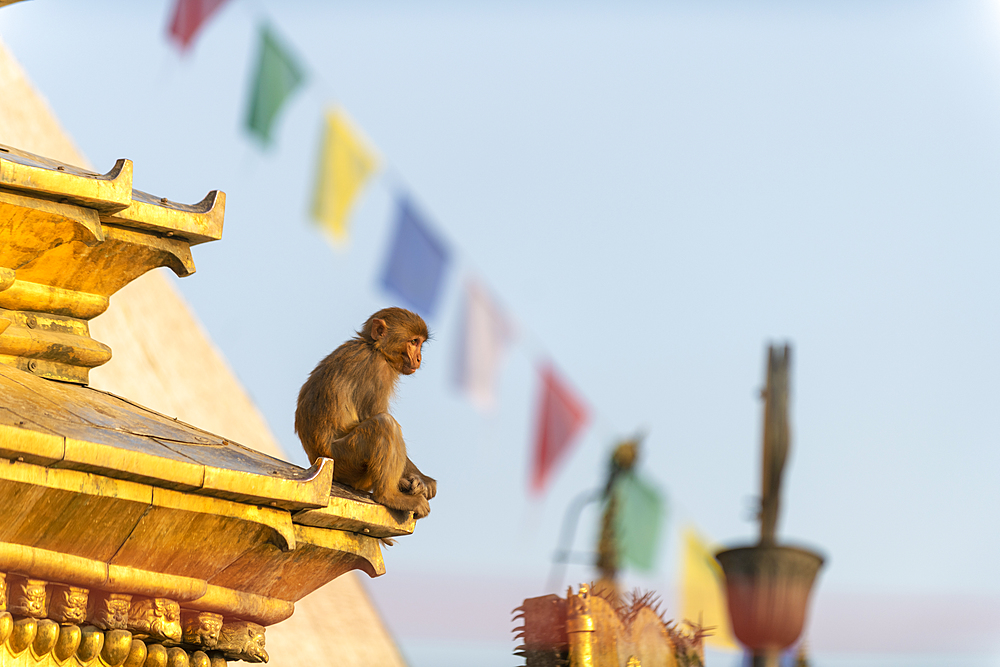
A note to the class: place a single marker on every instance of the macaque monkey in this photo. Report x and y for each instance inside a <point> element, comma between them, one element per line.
<point>343,411</point>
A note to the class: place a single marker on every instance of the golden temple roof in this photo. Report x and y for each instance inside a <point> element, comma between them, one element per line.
<point>109,498</point>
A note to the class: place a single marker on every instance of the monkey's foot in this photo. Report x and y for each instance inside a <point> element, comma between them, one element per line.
<point>408,503</point>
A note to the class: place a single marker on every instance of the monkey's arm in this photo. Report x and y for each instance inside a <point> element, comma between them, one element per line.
<point>413,480</point>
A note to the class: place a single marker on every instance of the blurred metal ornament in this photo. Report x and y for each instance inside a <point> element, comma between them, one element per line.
<point>768,591</point>
<point>767,585</point>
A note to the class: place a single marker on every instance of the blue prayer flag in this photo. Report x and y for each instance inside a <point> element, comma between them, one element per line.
<point>415,268</point>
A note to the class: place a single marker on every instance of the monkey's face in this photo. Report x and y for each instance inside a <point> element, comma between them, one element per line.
<point>411,355</point>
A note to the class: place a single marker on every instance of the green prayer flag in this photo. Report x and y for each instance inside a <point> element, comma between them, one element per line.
<point>278,75</point>
<point>638,521</point>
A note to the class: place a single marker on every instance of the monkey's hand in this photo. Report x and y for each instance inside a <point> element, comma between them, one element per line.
<point>416,484</point>
<point>412,485</point>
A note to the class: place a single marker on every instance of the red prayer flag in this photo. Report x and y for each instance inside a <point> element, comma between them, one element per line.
<point>189,16</point>
<point>561,417</point>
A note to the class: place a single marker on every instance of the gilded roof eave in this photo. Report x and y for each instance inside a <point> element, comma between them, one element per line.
<point>111,195</point>
<point>62,425</point>
<point>113,496</point>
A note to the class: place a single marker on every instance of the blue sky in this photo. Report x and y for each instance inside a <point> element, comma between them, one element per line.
<point>654,191</point>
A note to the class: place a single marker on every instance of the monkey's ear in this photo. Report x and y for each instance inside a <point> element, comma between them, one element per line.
<point>378,329</point>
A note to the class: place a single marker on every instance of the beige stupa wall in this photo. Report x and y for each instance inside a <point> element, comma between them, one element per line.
<point>163,359</point>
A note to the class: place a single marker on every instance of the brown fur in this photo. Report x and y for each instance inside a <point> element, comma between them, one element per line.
<point>343,411</point>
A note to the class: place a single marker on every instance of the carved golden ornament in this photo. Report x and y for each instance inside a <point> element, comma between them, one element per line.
<point>6,626</point>
<point>598,634</point>
<point>109,611</point>
<point>177,657</point>
<point>26,597</point>
<point>117,645</point>
<point>137,654</point>
<point>43,642</point>
<point>3,592</point>
<point>155,618</point>
<point>242,640</point>
<point>57,642</point>
<point>91,643</point>
<point>156,655</point>
<point>68,643</point>
<point>201,628</point>
<point>68,604</point>
<point>22,635</point>
<point>46,637</point>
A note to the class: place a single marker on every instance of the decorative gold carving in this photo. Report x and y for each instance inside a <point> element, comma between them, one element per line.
<point>242,640</point>
<point>68,643</point>
<point>22,636</point>
<point>45,637</point>
<point>156,655</point>
<point>602,634</point>
<point>261,609</point>
<point>155,618</point>
<point>117,644</point>
<point>201,628</point>
<point>92,642</point>
<point>26,597</point>
<point>109,611</point>
<point>68,604</point>
<point>49,643</point>
<point>6,626</point>
<point>3,592</point>
<point>177,657</point>
<point>137,654</point>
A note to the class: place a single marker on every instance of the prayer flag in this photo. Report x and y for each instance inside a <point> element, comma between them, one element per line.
<point>638,521</point>
<point>189,17</point>
<point>561,416</point>
<point>277,77</point>
<point>345,164</point>
<point>485,336</point>
<point>703,591</point>
<point>417,260</point>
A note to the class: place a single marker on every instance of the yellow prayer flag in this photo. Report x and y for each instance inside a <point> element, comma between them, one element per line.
<point>703,591</point>
<point>345,164</point>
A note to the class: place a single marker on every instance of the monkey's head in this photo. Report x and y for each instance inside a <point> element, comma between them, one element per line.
<point>399,335</point>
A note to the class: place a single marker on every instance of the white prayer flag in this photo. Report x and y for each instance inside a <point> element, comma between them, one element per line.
<point>487,334</point>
